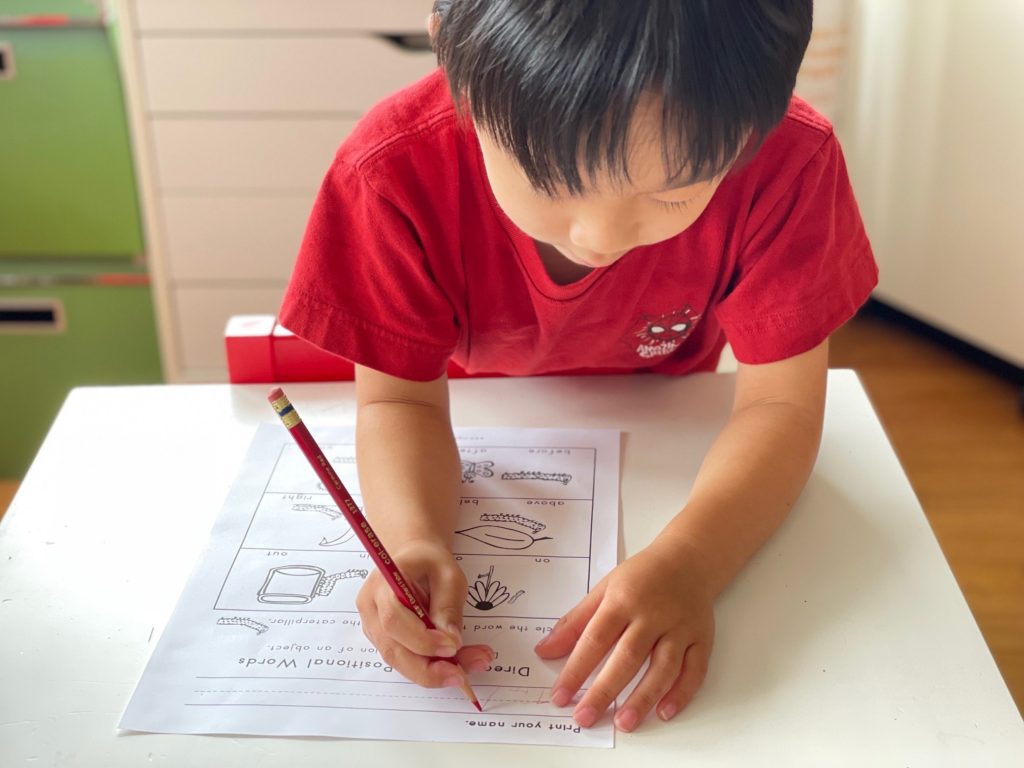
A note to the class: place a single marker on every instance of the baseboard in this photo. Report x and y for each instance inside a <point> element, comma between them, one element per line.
<point>969,352</point>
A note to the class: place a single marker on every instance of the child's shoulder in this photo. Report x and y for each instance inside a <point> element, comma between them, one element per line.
<point>801,135</point>
<point>416,120</point>
<point>802,117</point>
<point>802,142</point>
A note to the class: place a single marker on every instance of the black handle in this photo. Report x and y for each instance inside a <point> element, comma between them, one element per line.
<point>6,61</point>
<point>413,41</point>
<point>31,315</point>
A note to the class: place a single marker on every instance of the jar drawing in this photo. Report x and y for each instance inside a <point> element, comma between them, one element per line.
<point>299,584</point>
<point>291,584</point>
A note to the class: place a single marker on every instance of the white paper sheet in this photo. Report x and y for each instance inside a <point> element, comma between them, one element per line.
<point>266,639</point>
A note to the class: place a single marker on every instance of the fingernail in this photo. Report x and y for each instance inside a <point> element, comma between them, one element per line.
<point>456,633</point>
<point>543,641</point>
<point>561,696</point>
<point>668,711</point>
<point>586,717</point>
<point>478,665</point>
<point>453,682</point>
<point>445,649</point>
<point>627,719</point>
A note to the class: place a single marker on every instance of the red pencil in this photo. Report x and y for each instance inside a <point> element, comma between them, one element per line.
<point>403,590</point>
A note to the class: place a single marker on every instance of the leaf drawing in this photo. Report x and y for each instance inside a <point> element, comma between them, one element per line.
<point>501,537</point>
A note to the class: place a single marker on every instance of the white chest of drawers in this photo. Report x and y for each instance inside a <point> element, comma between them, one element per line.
<point>237,107</point>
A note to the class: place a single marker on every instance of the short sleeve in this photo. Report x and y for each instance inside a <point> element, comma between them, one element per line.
<point>805,268</point>
<point>362,288</point>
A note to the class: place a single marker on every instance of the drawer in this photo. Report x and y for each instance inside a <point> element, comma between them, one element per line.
<point>67,184</point>
<point>201,316</point>
<point>103,334</point>
<point>286,74</point>
<point>275,16</point>
<point>245,154</point>
<point>235,238</point>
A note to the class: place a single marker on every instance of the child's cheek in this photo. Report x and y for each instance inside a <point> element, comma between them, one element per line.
<point>541,222</point>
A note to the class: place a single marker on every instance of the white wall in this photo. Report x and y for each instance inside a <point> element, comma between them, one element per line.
<point>933,129</point>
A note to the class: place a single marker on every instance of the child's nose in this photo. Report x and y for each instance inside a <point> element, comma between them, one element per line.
<point>602,233</point>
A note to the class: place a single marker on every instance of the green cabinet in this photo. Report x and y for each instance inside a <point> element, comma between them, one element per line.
<point>68,184</point>
<point>75,303</point>
<point>68,335</point>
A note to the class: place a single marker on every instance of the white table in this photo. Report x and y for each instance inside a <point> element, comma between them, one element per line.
<point>845,642</point>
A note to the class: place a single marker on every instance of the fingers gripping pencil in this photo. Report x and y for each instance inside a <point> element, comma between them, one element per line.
<point>404,591</point>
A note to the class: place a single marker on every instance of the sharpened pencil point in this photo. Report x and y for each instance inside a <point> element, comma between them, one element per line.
<point>468,692</point>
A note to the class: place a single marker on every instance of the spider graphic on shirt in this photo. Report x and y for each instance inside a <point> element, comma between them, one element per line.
<point>662,334</point>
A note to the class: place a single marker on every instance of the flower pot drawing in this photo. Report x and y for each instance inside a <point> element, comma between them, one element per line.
<point>487,593</point>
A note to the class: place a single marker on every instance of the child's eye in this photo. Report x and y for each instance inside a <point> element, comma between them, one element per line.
<point>677,205</point>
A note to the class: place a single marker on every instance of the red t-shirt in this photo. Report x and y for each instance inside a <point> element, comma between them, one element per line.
<point>408,261</point>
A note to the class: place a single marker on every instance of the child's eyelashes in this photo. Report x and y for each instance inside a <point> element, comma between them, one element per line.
<point>677,205</point>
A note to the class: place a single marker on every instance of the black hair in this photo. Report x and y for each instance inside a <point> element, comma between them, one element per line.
<point>556,82</point>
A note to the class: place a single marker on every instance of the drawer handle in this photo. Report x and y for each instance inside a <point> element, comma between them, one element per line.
<point>19,316</point>
<point>413,41</point>
<point>6,61</point>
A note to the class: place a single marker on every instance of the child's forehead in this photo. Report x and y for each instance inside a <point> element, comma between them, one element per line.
<point>645,173</point>
<point>657,148</point>
<point>609,185</point>
<point>652,160</point>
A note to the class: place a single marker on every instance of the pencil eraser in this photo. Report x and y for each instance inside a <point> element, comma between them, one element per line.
<point>275,394</point>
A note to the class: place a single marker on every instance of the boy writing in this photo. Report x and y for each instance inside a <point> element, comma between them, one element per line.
<point>587,185</point>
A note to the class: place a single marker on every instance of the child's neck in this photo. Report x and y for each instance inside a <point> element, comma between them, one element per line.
<point>560,269</point>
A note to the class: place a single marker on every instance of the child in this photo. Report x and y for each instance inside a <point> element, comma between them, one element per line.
<point>614,186</point>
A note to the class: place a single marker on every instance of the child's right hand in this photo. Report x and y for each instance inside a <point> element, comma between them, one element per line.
<point>402,639</point>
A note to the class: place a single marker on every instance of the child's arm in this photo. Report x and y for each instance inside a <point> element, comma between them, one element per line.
<point>658,603</point>
<point>409,477</point>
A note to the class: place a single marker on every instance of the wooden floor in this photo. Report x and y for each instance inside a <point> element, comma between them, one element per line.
<point>957,431</point>
<point>7,489</point>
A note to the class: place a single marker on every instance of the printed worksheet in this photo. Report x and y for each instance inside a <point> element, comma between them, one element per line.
<point>266,639</point>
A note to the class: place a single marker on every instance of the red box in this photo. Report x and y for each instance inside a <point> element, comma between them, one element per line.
<point>262,351</point>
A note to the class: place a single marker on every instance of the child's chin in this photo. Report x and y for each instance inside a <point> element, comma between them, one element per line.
<point>594,262</point>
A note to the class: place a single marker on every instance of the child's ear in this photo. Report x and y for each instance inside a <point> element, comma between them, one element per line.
<point>433,22</point>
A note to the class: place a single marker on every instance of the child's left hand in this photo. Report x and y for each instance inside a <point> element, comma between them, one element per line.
<point>656,604</point>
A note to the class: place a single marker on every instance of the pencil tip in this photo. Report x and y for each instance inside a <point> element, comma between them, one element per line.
<point>467,689</point>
